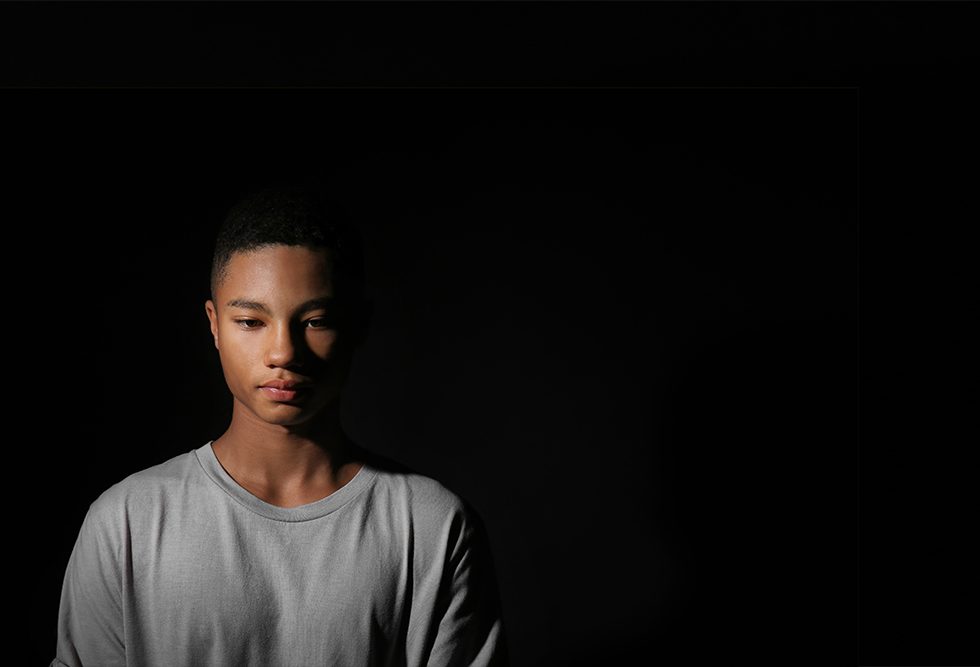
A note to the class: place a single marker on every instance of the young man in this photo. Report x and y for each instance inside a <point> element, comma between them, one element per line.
<point>282,542</point>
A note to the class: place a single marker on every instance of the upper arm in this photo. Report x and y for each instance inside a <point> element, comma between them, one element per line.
<point>469,619</point>
<point>90,617</point>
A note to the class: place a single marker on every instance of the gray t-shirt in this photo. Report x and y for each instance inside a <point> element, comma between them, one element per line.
<point>179,565</point>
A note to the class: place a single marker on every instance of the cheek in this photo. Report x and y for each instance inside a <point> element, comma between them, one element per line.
<point>322,343</point>
<point>235,353</point>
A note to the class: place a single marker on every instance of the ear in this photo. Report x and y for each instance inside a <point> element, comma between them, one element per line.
<point>213,318</point>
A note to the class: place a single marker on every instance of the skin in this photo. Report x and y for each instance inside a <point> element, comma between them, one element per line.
<point>286,453</point>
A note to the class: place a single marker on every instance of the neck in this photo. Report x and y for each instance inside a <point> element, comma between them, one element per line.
<point>287,465</point>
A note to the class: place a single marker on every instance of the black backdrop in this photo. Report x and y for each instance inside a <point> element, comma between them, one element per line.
<point>616,306</point>
<point>665,452</point>
<point>622,323</point>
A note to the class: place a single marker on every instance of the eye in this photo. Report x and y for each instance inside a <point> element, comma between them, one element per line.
<point>246,323</point>
<point>318,323</point>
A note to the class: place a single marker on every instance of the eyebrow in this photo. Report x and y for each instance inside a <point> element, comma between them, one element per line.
<point>312,304</point>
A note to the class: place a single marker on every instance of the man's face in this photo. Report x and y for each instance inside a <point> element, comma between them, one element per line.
<point>274,323</point>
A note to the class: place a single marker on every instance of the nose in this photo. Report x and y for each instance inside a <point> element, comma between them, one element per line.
<point>282,349</point>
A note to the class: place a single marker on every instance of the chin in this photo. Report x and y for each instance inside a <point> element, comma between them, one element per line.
<point>285,414</point>
<point>291,416</point>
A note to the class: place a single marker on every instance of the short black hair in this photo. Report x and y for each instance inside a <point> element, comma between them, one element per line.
<point>295,215</point>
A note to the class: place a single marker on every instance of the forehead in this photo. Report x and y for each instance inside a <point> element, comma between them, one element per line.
<point>278,269</point>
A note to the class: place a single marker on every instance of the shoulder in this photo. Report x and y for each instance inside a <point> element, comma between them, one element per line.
<point>400,483</point>
<point>423,494</point>
<point>144,490</point>
<point>425,503</point>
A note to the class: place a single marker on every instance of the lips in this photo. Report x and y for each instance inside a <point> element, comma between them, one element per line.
<point>284,384</point>
<point>283,391</point>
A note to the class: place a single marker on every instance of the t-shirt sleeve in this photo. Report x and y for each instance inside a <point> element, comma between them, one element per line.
<point>90,617</point>
<point>469,628</point>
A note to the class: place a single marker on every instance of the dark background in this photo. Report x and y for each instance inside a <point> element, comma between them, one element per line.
<point>621,323</point>
<point>615,265</point>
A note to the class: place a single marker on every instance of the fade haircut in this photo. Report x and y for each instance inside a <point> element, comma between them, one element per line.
<point>292,215</point>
